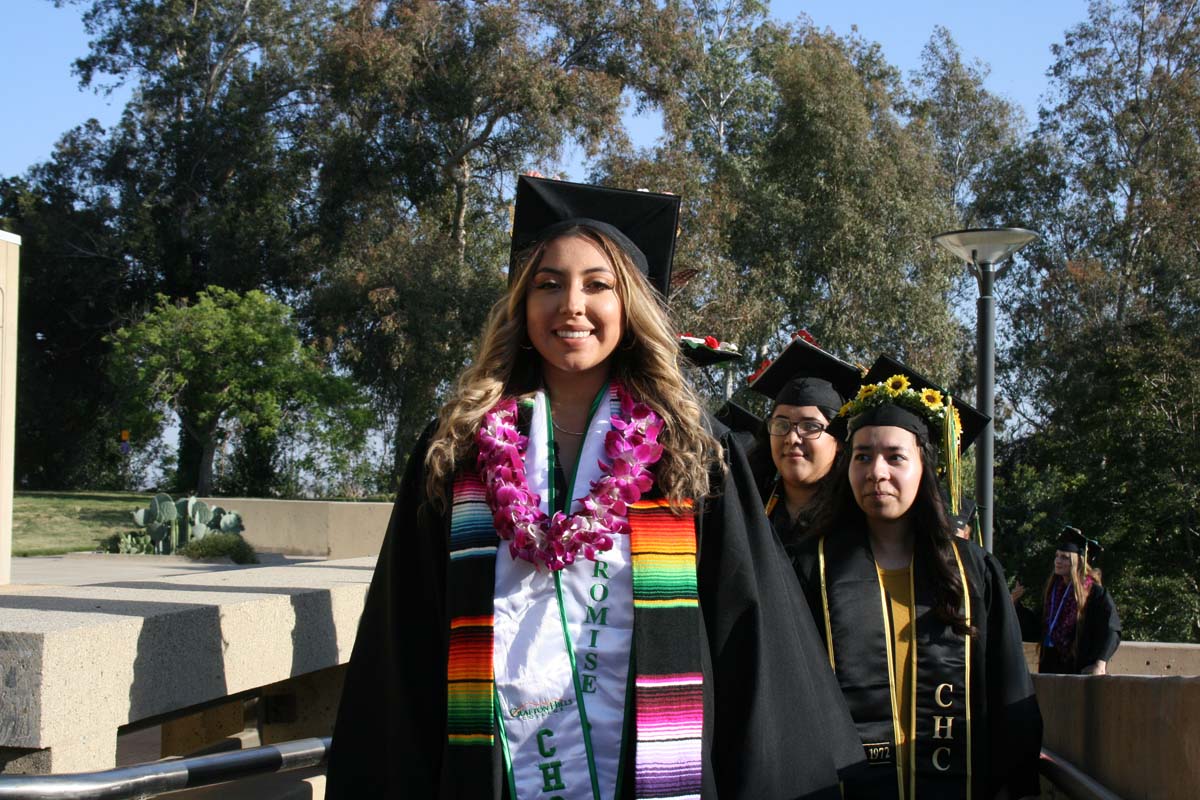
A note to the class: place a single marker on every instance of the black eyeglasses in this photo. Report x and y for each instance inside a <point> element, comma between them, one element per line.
<point>805,428</point>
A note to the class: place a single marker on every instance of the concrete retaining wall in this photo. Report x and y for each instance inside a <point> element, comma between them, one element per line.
<point>310,527</point>
<point>1143,658</point>
<point>1138,736</point>
<point>78,662</point>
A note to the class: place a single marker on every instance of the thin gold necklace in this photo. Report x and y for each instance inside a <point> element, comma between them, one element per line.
<point>561,429</point>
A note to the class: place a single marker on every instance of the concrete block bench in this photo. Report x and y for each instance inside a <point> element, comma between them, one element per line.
<point>79,662</point>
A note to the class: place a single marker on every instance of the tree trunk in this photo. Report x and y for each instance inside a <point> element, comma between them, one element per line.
<point>187,460</point>
<point>462,182</point>
<point>208,449</point>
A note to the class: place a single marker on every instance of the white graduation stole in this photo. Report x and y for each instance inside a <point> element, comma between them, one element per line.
<point>542,698</point>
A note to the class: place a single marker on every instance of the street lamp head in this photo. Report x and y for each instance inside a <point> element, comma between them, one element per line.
<point>985,245</point>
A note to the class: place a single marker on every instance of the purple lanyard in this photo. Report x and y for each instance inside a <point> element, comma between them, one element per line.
<point>1054,620</point>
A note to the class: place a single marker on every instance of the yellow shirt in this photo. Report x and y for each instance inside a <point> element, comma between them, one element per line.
<point>898,585</point>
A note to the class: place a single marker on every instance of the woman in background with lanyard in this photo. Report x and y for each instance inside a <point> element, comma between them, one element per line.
<point>1080,625</point>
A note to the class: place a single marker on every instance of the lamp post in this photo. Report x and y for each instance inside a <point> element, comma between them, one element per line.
<point>984,249</point>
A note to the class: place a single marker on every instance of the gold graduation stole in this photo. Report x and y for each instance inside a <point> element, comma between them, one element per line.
<point>858,636</point>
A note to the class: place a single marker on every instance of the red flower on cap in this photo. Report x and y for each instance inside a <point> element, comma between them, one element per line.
<point>711,341</point>
<point>761,369</point>
<point>806,336</point>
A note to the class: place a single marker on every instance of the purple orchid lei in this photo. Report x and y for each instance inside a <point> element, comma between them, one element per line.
<point>632,448</point>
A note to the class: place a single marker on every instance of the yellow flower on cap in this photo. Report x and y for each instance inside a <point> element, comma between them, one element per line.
<point>932,399</point>
<point>867,390</point>
<point>897,384</point>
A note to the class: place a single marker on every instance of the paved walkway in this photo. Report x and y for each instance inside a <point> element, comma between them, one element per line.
<point>85,569</point>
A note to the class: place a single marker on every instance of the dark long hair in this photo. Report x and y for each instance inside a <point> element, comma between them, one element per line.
<point>931,526</point>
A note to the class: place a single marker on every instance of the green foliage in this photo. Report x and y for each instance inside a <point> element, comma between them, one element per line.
<point>835,222</point>
<point>225,358</point>
<point>72,290</point>
<point>969,126</point>
<point>1101,356</point>
<point>219,545</point>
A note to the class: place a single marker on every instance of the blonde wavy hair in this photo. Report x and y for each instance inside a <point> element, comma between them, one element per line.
<point>647,363</point>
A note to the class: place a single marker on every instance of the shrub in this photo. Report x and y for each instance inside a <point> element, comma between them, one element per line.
<point>216,545</point>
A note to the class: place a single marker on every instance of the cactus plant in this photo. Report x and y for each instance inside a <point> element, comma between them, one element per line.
<point>172,524</point>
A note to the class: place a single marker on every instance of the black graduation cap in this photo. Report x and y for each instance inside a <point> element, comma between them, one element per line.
<point>644,224</point>
<point>966,510</point>
<point>737,418</point>
<point>699,352</point>
<point>806,375</point>
<point>1072,540</point>
<point>885,367</point>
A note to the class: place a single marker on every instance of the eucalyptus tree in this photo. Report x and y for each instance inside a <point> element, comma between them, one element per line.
<point>435,108</point>
<point>1103,351</point>
<point>835,225</point>
<point>200,182</point>
<point>969,125</point>
<point>73,284</point>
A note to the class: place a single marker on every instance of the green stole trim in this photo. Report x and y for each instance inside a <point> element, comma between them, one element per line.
<point>858,633</point>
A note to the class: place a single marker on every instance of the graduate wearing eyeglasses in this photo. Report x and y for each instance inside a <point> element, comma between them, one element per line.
<point>793,453</point>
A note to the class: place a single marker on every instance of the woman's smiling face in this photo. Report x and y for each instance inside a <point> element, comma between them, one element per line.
<point>573,315</point>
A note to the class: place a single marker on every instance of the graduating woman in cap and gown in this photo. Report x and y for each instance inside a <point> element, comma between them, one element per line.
<point>793,452</point>
<point>578,595</point>
<point>1080,627</point>
<point>918,624</point>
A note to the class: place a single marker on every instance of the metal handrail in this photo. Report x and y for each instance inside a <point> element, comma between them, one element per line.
<point>142,781</point>
<point>1074,783</point>
<point>149,780</point>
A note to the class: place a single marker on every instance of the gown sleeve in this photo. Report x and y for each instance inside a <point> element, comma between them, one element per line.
<point>1014,718</point>
<point>1102,628</point>
<point>1030,623</point>
<point>781,727</point>
<point>390,734</point>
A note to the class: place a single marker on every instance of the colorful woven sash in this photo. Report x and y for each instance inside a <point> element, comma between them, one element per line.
<point>669,684</point>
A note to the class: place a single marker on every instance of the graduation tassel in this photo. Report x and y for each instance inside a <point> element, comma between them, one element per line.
<point>950,436</point>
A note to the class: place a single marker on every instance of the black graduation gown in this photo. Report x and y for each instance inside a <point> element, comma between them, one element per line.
<point>1098,637</point>
<point>775,723</point>
<point>1007,724</point>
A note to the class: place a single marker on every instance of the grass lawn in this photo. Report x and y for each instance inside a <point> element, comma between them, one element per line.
<point>52,523</point>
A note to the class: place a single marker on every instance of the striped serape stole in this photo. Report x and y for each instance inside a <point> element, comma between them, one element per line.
<point>669,684</point>
<point>470,685</point>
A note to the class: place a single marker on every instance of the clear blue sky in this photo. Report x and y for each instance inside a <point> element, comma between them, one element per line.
<point>39,42</point>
